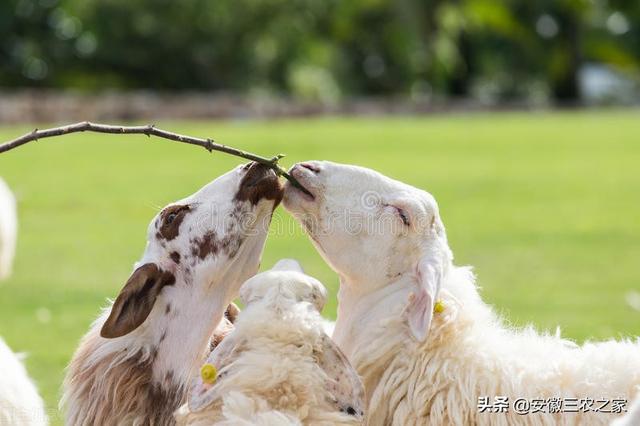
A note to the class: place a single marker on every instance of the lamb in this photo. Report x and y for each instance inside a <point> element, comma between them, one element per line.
<point>134,365</point>
<point>8,230</point>
<point>429,350</point>
<point>278,367</point>
<point>20,403</point>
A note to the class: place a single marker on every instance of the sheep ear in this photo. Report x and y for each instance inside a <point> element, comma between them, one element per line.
<point>135,301</point>
<point>202,394</point>
<point>421,302</point>
<point>343,382</point>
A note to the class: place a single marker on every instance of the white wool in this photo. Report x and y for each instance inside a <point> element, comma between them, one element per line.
<point>20,403</point>
<point>470,352</point>
<point>239,410</point>
<point>272,374</point>
<point>8,230</point>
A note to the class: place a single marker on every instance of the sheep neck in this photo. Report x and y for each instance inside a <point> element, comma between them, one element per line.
<point>182,339</point>
<point>371,330</point>
<point>144,375</point>
<point>361,314</point>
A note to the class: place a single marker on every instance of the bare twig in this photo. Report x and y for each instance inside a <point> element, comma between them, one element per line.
<point>149,130</point>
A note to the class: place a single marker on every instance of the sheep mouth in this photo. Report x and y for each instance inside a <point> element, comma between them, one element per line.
<point>303,187</point>
<point>295,194</point>
<point>303,190</point>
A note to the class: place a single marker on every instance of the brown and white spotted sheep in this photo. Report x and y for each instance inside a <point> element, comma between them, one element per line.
<point>134,364</point>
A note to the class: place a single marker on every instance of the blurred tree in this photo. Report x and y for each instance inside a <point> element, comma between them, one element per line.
<point>34,41</point>
<point>221,45</point>
<point>493,50</point>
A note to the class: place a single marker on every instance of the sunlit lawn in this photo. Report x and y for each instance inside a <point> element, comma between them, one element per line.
<point>546,206</point>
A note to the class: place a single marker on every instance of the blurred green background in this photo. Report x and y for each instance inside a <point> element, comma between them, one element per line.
<point>327,50</point>
<point>543,202</point>
<point>544,205</point>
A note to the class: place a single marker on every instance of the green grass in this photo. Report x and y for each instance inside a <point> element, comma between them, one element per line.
<point>546,206</point>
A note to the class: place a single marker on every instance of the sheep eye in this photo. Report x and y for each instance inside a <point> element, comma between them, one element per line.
<point>170,218</point>
<point>403,216</point>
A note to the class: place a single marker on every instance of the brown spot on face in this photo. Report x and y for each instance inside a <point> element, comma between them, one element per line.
<point>167,309</point>
<point>171,218</point>
<point>236,217</point>
<point>231,244</point>
<point>259,182</point>
<point>175,256</point>
<point>208,244</point>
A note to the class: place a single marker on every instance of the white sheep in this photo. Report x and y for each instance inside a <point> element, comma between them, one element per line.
<point>20,403</point>
<point>135,364</point>
<point>8,230</point>
<point>414,326</point>
<point>278,367</point>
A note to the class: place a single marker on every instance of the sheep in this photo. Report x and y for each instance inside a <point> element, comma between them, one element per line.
<point>8,230</point>
<point>278,367</point>
<point>20,403</point>
<point>134,365</point>
<point>429,350</point>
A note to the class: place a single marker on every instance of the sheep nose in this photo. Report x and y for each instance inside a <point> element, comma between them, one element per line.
<point>259,182</point>
<point>255,173</point>
<point>313,167</point>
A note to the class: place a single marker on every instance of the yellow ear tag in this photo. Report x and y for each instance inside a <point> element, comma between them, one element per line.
<point>208,373</point>
<point>439,307</point>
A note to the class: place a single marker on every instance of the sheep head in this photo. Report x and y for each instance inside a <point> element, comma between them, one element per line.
<point>285,279</point>
<point>200,248</point>
<point>373,231</point>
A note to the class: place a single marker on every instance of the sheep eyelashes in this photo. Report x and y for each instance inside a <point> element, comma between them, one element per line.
<point>277,366</point>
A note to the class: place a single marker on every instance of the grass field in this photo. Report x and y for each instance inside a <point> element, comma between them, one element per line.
<point>546,206</point>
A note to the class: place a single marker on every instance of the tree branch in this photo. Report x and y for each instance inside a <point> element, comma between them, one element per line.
<point>150,130</point>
